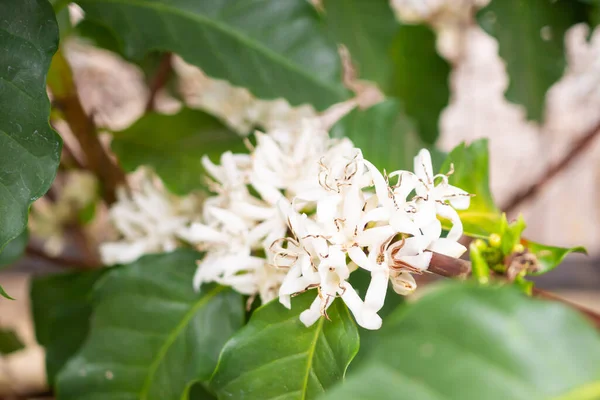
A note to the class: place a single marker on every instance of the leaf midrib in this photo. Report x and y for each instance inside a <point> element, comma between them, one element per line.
<point>217,25</point>
<point>311,355</point>
<point>172,337</point>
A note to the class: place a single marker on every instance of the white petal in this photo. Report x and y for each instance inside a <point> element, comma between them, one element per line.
<point>357,255</point>
<point>404,284</point>
<point>310,316</point>
<point>374,237</point>
<point>420,261</point>
<point>412,246</point>
<point>423,167</point>
<point>375,296</point>
<point>381,186</point>
<point>356,306</point>
<point>198,233</point>
<point>447,247</point>
<point>446,211</point>
<point>401,222</point>
<point>433,231</point>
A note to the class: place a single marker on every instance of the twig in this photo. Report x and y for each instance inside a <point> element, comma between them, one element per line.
<point>456,268</point>
<point>82,125</point>
<point>449,267</point>
<point>578,147</point>
<point>159,80</point>
<point>60,261</point>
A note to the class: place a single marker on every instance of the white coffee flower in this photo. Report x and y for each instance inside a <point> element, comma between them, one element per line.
<point>148,219</point>
<point>385,232</point>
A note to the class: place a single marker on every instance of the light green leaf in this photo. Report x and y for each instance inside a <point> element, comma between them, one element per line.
<point>275,356</point>
<point>530,36</point>
<point>4,294</point>
<point>9,342</point>
<point>61,307</point>
<point>463,341</point>
<point>367,29</point>
<point>14,249</point>
<point>510,234</point>
<point>174,145</point>
<point>383,132</point>
<point>29,149</point>
<point>479,265</point>
<point>471,173</point>
<point>273,48</point>
<point>549,257</point>
<point>420,78</point>
<point>151,334</point>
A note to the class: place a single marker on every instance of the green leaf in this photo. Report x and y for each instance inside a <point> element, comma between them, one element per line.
<point>420,78</point>
<point>61,307</point>
<point>549,256</point>
<point>479,265</point>
<point>151,334</point>
<point>275,49</point>
<point>4,294</point>
<point>510,234</point>
<point>14,249</point>
<point>464,341</point>
<point>367,29</point>
<point>174,145</point>
<point>471,173</point>
<point>384,134</point>
<point>530,36</point>
<point>29,149</point>
<point>9,342</point>
<point>276,356</point>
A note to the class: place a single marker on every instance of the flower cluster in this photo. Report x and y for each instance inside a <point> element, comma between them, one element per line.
<point>301,211</point>
<point>363,220</point>
<point>148,219</point>
<point>242,221</point>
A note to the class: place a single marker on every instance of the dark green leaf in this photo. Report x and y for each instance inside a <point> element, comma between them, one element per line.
<point>29,149</point>
<point>420,78</point>
<point>383,132</point>
<point>276,356</point>
<point>97,35</point>
<point>9,342</point>
<point>199,392</point>
<point>4,294</point>
<point>14,249</point>
<point>367,29</point>
<point>471,173</point>
<point>151,334</point>
<point>478,342</point>
<point>530,36</point>
<point>275,49</point>
<point>174,145</point>
<point>61,307</point>
<point>549,256</point>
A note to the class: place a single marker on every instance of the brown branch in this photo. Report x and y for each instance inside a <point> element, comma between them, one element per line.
<point>159,80</point>
<point>59,261</point>
<point>456,268</point>
<point>578,148</point>
<point>449,267</point>
<point>60,81</point>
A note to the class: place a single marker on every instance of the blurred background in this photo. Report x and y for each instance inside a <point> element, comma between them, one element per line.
<point>563,211</point>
